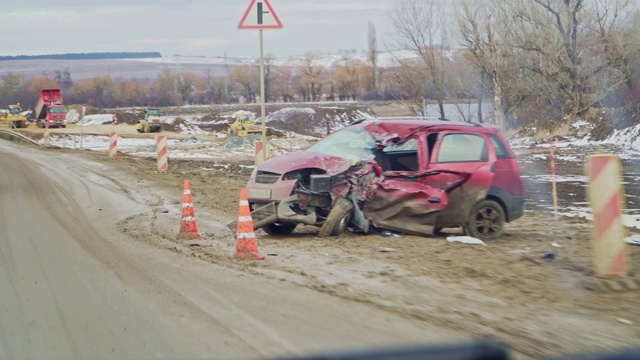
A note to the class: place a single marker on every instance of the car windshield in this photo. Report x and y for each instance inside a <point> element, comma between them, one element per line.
<point>14,111</point>
<point>352,143</point>
<point>153,111</point>
<point>58,110</point>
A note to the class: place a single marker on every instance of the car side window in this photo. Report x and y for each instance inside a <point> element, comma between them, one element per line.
<point>402,157</point>
<point>462,148</point>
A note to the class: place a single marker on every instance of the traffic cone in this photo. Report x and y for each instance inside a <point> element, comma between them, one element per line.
<point>246,243</point>
<point>188,225</point>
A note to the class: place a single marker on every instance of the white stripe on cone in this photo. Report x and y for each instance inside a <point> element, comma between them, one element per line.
<point>246,235</point>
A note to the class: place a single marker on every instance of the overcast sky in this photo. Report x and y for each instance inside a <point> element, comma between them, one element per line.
<point>186,27</point>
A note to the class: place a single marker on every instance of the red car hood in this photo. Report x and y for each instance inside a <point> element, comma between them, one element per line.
<point>304,160</point>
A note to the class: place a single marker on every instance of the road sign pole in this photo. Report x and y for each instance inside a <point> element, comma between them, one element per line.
<point>260,15</point>
<point>262,99</point>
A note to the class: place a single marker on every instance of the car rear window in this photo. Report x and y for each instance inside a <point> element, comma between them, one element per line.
<point>462,148</point>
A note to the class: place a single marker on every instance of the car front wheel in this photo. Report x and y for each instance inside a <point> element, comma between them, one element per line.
<point>486,221</point>
<point>337,220</point>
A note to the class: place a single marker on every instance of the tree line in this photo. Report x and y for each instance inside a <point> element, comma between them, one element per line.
<point>309,81</point>
<point>86,56</point>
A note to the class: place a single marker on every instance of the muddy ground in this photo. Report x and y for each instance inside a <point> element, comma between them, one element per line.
<point>508,290</point>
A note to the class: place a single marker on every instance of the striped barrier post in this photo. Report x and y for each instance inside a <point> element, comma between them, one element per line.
<point>113,145</point>
<point>606,195</point>
<point>161,147</point>
<point>47,138</point>
<point>263,151</point>
<point>554,186</point>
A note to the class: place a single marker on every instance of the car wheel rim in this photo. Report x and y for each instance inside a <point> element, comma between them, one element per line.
<point>487,222</point>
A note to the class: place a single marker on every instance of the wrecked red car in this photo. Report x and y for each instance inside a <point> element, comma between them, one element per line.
<point>410,175</point>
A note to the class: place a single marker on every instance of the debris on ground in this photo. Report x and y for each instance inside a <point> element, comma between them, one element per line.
<point>469,240</point>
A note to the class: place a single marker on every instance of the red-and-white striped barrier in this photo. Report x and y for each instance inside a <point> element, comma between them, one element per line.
<point>263,151</point>
<point>113,145</point>
<point>161,147</point>
<point>606,195</point>
<point>554,187</point>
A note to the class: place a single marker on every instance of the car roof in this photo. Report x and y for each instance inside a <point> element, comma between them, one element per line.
<point>405,125</point>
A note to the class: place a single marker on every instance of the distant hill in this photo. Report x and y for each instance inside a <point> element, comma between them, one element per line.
<point>86,56</point>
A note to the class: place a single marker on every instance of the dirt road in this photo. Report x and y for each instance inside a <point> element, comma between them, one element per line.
<point>504,291</point>
<point>76,282</point>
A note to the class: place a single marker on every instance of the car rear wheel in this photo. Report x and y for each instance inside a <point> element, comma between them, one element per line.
<point>283,228</point>
<point>486,221</point>
<point>337,220</point>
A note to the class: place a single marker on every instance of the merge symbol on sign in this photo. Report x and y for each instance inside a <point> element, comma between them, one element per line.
<point>260,15</point>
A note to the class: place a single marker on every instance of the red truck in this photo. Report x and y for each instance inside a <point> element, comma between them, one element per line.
<point>50,110</point>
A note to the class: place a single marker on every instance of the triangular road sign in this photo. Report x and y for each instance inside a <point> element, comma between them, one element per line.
<point>260,15</point>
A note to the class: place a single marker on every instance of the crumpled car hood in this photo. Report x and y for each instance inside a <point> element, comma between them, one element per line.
<point>305,160</point>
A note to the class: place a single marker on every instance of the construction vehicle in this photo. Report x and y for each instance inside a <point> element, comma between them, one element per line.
<point>151,122</point>
<point>50,110</point>
<point>244,124</point>
<point>13,115</point>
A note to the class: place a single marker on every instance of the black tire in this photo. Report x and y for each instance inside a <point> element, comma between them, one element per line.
<point>486,220</point>
<point>337,220</point>
<point>279,228</point>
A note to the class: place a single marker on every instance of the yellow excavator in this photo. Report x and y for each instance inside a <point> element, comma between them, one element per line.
<point>244,124</point>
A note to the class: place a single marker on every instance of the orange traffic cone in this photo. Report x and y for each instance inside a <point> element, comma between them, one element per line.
<point>188,225</point>
<point>246,243</point>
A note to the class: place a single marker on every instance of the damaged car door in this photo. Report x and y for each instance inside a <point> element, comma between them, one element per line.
<point>404,199</point>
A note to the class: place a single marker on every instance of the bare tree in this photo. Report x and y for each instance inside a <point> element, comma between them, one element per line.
<point>421,28</point>
<point>373,55</point>
<point>246,78</point>
<point>406,83</point>
<point>568,43</point>
<point>269,60</point>
<point>311,71</point>
<point>478,36</point>
<point>281,83</point>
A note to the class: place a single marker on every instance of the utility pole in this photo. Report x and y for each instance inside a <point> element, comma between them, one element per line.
<point>226,77</point>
